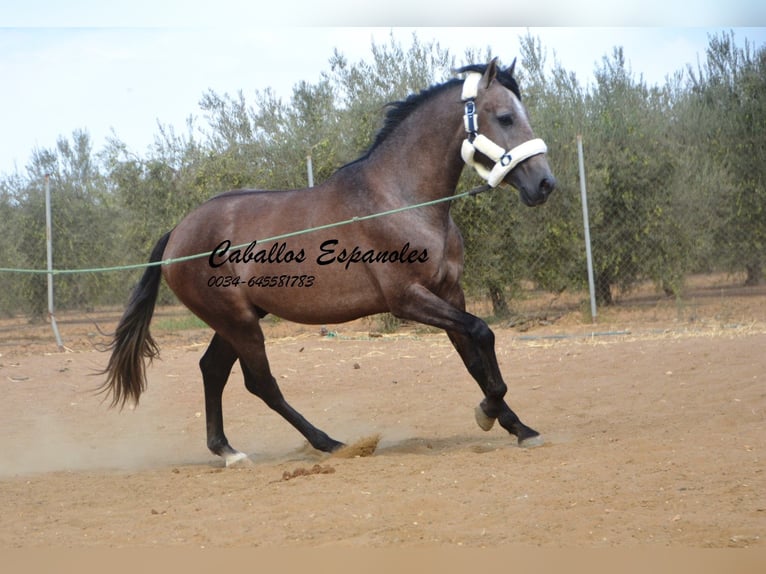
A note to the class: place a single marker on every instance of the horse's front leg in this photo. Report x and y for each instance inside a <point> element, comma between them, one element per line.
<point>481,362</point>
<point>475,343</point>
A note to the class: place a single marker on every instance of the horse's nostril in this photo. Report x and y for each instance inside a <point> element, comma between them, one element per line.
<point>547,185</point>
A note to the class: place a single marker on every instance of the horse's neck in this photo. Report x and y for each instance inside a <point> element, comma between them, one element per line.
<point>421,158</point>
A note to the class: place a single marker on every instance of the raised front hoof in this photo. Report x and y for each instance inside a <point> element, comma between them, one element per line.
<point>485,422</point>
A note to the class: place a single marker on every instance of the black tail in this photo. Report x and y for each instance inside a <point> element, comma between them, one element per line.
<point>132,342</point>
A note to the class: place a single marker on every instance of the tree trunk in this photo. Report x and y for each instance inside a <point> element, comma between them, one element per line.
<point>499,303</point>
<point>604,289</point>
<point>754,274</point>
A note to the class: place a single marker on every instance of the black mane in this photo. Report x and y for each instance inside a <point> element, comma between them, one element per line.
<point>398,111</point>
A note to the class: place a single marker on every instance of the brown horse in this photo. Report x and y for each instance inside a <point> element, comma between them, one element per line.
<point>408,263</point>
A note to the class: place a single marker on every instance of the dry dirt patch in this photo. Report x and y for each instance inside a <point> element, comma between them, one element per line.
<point>654,437</point>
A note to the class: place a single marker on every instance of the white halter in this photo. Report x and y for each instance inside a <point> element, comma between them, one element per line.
<point>504,160</point>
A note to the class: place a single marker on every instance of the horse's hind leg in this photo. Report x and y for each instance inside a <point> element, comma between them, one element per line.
<point>216,366</point>
<point>260,382</point>
<point>265,387</point>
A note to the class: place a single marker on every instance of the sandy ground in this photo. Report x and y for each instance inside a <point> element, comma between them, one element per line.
<point>655,437</point>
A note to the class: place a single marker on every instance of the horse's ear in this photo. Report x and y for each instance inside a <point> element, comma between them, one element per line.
<point>509,69</point>
<point>490,73</point>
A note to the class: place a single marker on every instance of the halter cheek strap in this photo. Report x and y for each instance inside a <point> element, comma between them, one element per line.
<point>504,160</point>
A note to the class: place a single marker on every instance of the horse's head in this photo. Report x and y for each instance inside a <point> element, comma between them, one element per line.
<point>500,143</point>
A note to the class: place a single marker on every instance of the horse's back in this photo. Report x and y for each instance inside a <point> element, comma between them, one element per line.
<point>302,277</point>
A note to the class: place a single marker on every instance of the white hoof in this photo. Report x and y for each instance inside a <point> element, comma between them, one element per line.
<point>484,422</point>
<point>236,459</point>
<point>532,442</point>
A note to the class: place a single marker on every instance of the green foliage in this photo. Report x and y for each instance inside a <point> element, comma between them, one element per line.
<point>727,101</point>
<point>82,229</point>
<point>632,171</point>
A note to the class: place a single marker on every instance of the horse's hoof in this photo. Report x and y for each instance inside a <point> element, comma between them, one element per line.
<point>532,442</point>
<point>484,422</point>
<point>237,459</point>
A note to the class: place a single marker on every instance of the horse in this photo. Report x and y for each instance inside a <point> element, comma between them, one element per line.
<point>408,263</point>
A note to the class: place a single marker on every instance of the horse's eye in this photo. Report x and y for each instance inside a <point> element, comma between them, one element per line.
<point>505,120</point>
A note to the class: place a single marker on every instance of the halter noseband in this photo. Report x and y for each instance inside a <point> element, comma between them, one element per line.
<point>504,160</point>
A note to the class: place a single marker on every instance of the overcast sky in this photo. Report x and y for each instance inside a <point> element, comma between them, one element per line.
<point>122,67</point>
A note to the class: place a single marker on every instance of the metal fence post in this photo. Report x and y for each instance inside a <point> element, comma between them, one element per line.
<point>310,170</point>
<point>586,226</point>
<point>49,249</point>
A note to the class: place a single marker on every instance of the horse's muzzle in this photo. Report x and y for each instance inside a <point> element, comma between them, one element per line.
<point>534,180</point>
<point>538,194</point>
